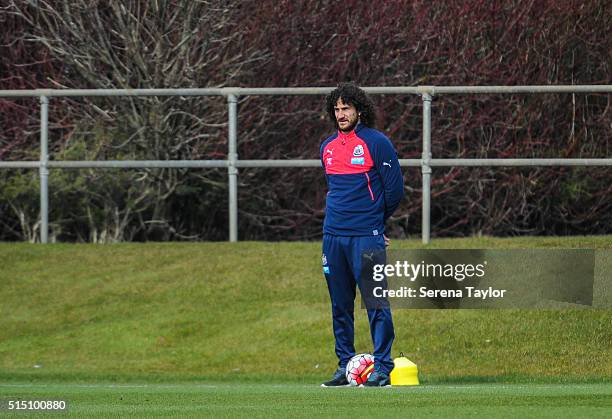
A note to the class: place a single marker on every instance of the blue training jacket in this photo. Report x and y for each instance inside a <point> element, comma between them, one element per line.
<point>364,180</point>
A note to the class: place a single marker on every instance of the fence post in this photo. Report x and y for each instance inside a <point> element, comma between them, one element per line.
<point>44,169</point>
<point>426,168</point>
<point>232,171</point>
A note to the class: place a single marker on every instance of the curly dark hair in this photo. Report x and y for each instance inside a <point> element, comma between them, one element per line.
<point>351,94</point>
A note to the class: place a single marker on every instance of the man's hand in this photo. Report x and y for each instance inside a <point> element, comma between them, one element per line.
<point>387,241</point>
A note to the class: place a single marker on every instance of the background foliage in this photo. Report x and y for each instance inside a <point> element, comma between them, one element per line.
<point>101,44</point>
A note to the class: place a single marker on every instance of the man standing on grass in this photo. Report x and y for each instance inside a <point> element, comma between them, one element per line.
<point>365,187</point>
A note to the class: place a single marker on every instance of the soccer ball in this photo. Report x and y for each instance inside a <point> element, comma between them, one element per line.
<point>359,369</point>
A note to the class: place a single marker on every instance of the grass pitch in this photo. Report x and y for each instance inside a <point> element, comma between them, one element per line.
<point>308,400</point>
<point>244,329</point>
<point>200,310</point>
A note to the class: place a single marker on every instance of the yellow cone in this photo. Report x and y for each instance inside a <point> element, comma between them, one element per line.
<point>405,372</point>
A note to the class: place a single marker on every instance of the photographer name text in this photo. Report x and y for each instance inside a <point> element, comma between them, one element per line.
<point>424,292</point>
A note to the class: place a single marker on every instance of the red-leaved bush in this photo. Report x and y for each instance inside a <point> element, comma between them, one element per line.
<point>313,43</point>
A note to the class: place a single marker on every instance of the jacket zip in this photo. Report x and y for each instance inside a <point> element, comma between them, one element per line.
<point>369,186</point>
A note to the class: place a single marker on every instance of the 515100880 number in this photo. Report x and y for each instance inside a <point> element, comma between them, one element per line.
<point>34,405</point>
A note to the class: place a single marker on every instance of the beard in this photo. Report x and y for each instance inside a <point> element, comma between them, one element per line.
<point>349,127</point>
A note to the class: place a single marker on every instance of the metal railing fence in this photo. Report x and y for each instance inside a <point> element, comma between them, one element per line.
<point>232,163</point>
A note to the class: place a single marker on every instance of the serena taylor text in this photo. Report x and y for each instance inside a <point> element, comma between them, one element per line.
<point>424,292</point>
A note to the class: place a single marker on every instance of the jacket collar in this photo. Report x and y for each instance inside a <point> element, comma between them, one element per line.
<point>351,135</point>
